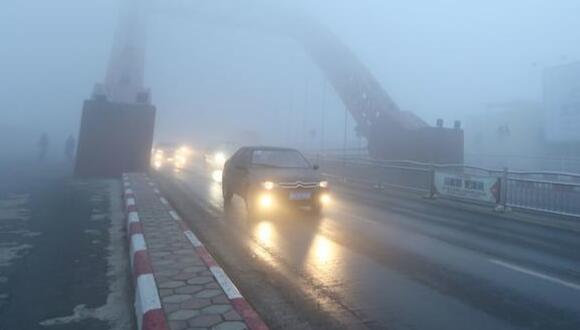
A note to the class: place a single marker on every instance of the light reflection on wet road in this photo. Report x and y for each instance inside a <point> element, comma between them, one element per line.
<point>422,270</point>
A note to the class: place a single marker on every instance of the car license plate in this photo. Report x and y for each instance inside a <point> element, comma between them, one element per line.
<point>300,196</point>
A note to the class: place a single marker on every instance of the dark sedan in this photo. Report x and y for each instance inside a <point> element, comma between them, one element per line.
<point>269,178</point>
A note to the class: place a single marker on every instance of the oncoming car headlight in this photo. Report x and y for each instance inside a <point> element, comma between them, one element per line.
<point>323,184</point>
<point>180,160</point>
<point>268,185</point>
<point>184,151</point>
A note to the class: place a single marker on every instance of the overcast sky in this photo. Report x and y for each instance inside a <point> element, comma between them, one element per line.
<point>436,58</point>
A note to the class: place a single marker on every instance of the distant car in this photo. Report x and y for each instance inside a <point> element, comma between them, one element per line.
<point>216,159</point>
<point>216,156</point>
<point>268,178</point>
<point>170,154</point>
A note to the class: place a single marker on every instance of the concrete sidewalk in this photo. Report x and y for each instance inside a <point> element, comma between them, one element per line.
<point>194,291</point>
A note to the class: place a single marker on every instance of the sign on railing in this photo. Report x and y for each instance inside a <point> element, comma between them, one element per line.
<point>549,192</point>
<point>479,188</point>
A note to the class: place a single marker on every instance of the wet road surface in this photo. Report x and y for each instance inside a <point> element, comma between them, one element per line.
<point>400,264</point>
<point>63,262</point>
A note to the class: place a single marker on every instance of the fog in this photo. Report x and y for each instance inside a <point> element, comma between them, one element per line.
<point>213,79</point>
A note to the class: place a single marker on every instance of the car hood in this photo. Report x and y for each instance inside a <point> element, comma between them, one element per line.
<point>285,174</point>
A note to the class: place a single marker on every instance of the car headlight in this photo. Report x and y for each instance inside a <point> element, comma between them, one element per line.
<point>323,184</point>
<point>325,199</point>
<point>268,185</point>
<point>180,160</point>
<point>184,150</point>
<point>266,201</point>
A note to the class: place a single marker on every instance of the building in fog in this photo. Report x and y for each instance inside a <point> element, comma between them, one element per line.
<point>528,135</point>
<point>508,134</point>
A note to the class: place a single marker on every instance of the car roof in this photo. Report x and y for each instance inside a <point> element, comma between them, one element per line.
<point>253,148</point>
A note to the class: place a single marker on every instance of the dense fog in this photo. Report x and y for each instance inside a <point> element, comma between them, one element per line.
<point>213,77</point>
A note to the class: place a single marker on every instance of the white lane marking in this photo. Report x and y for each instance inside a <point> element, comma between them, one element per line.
<point>128,191</point>
<point>157,191</point>
<point>227,285</point>
<point>174,215</point>
<point>151,184</point>
<point>146,294</point>
<point>536,274</point>
<point>126,184</point>
<point>164,201</point>
<point>192,238</point>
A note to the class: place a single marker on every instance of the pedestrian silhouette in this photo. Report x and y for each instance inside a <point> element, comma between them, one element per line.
<point>69,148</point>
<point>43,144</point>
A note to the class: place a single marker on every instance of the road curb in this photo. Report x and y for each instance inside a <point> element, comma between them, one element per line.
<point>239,303</point>
<point>148,310</point>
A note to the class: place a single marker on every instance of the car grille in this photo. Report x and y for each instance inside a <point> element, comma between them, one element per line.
<point>297,184</point>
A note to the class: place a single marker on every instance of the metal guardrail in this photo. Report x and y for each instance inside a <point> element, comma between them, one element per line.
<point>549,192</point>
<point>547,196</point>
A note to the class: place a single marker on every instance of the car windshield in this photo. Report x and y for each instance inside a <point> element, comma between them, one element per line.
<point>279,158</point>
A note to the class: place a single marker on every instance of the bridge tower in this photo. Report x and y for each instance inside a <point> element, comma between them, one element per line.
<point>116,131</point>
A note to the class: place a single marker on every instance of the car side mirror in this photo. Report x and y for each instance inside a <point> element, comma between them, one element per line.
<point>315,167</point>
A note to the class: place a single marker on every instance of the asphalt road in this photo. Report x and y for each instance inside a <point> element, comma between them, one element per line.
<point>63,262</point>
<point>379,262</point>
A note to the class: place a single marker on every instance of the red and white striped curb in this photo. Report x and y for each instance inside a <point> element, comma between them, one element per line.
<point>148,310</point>
<point>239,303</point>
